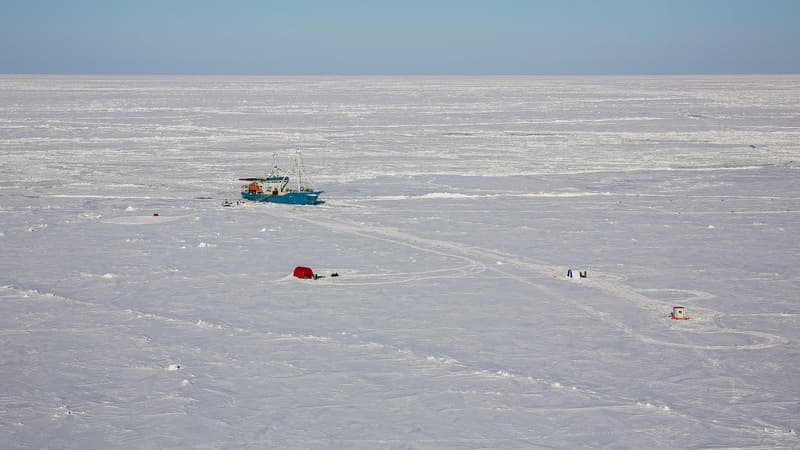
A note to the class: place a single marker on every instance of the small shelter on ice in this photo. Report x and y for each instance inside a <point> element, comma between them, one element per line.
<point>303,272</point>
<point>678,313</point>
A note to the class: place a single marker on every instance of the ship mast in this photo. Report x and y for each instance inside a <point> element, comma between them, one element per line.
<point>275,171</point>
<point>300,171</point>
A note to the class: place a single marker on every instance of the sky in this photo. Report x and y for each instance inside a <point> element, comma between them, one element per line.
<point>400,37</point>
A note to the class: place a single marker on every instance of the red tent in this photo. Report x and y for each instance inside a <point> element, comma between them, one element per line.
<point>303,272</point>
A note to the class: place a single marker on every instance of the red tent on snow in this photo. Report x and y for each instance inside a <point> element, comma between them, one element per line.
<point>303,272</point>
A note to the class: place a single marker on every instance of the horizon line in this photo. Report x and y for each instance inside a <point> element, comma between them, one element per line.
<point>410,75</point>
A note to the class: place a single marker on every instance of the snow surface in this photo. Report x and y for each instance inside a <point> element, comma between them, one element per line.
<point>454,208</point>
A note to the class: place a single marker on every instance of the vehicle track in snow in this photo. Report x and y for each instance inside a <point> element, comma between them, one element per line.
<point>478,259</point>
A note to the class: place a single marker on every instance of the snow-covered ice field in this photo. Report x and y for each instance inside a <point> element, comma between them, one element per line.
<point>454,208</point>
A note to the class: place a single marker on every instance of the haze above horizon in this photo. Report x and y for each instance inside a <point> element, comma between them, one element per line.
<point>358,37</point>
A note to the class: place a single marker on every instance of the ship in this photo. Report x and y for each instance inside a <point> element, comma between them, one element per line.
<point>276,186</point>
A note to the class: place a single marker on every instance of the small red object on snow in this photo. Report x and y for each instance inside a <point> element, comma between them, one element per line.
<point>303,272</point>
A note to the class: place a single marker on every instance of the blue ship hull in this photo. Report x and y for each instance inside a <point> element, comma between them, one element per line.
<point>292,198</point>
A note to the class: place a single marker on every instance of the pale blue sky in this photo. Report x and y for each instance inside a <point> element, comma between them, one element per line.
<point>402,37</point>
